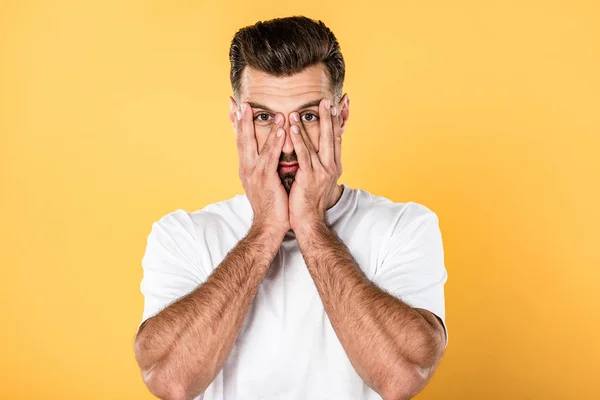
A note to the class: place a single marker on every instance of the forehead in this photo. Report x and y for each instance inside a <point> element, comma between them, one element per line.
<point>285,92</point>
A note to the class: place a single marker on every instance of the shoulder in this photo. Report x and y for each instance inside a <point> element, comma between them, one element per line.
<point>187,232</point>
<point>184,222</point>
<point>404,213</point>
<point>174,234</point>
<point>394,217</point>
<point>211,216</point>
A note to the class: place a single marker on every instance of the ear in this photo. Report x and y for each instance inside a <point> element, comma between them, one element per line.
<point>344,113</point>
<point>232,109</point>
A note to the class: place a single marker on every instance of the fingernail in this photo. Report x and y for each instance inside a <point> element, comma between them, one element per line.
<point>334,111</point>
<point>279,132</point>
<point>295,117</point>
<point>244,106</point>
<point>295,129</point>
<point>239,114</point>
<point>327,103</point>
<point>278,119</point>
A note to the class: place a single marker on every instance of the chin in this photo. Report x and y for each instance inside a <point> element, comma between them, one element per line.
<point>287,180</point>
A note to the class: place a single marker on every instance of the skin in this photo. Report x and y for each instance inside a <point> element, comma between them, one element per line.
<point>393,347</point>
<point>271,95</point>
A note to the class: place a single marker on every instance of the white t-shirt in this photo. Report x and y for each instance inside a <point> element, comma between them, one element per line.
<point>287,348</point>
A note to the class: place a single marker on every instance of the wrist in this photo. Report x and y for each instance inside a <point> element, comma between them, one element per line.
<point>268,232</point>
<point>308,227</point>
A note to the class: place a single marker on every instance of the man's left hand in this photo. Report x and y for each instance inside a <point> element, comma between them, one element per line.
<point>318,172</point>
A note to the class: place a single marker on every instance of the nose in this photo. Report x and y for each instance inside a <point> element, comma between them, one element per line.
<point>288,146</point>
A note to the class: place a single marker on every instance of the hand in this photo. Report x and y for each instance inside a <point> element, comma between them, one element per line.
<point>258,172</point>
<point>318,173</point>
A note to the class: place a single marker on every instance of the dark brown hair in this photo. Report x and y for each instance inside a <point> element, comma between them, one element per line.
<point>285,46</point>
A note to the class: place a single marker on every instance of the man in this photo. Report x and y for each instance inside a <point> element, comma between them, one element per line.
<point>301,288</point>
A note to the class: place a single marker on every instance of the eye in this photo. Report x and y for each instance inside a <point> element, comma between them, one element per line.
<point>310,117</point>
<point>262,117</point>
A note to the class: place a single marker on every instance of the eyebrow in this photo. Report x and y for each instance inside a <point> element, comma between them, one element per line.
<point>314,103</point>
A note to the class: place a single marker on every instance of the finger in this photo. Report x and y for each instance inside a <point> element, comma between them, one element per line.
<point>271,149</point>
<point>246,135</point>
<point>337,142</point>
<point>314,158</point>
<point>239,140</point>
<point>326,139</point>
<point>302,153</point>
<point>232,116</point>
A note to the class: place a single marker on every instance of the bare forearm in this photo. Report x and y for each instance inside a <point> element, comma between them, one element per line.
<point>389,343</point>
<point>183,348</point>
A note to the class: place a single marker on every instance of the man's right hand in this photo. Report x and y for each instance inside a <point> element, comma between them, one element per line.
<point>258,171</point>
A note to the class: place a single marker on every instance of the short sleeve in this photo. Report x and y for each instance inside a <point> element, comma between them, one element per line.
<point>170,263</point>
<point>412,267</point>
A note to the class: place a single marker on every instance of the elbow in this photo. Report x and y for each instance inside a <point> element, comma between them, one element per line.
<point>163,375</point>
<point>163,387</point>
<point>144,348</point>
<point>169,383</point>
<point>409,384</point>
<point>410,377</point>
<point>155,374</point>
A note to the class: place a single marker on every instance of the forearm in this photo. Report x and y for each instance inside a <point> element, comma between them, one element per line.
<point>183,348</point>
<point>389,343</point>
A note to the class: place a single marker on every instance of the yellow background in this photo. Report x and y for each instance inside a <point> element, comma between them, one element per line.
<point>114,113</point>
